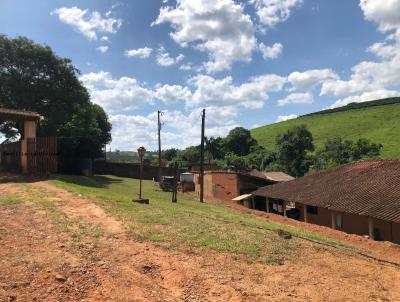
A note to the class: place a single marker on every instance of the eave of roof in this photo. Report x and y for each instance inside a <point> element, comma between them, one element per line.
<point>17,115</point>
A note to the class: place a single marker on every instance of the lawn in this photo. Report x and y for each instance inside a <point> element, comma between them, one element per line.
<point>187,223</point>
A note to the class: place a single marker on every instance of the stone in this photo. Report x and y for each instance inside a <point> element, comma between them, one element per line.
<point>60,278</point>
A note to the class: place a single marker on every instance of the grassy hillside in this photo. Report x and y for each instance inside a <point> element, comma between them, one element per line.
<point>381,124</point>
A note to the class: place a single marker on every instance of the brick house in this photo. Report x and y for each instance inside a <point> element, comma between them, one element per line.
<point>360,198</point>
<point>224,185</point>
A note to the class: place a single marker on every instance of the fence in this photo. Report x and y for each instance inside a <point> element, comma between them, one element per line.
<point>40,156</point>
<point>131,170</point>
<point>10,157</point>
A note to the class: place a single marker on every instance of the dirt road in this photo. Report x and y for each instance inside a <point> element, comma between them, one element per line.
<point>59,246</point>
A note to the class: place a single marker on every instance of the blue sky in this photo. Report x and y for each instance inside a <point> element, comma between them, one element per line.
<point>248,63</point>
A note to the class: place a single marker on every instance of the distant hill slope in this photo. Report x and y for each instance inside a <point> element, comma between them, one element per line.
<point>376,120</point>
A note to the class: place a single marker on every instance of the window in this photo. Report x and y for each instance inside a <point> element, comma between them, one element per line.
<point>312,210</point>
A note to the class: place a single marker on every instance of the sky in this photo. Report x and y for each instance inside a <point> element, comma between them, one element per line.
<point>248,63</point>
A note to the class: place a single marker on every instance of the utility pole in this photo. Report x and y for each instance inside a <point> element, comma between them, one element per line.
<point>203,116</point>
<point>159,145</point>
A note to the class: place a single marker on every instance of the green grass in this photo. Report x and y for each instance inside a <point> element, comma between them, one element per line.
<point>381,124</point>
<point>9,200</point>
<point>188,222</point>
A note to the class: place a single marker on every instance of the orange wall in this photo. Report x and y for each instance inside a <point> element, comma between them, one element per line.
<point>354,224</point>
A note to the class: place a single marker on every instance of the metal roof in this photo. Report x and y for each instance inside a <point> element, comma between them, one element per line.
<point>18,115</point>
<point>369,188</point>
<point>241,197</point>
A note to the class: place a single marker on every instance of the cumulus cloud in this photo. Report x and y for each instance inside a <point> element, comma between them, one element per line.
<point>272,12</point>
<point>115,95</point>
<point>307,80</point>
<point>171,94</point>
<point>102,49</point>
<point>141,53</point>
<point>179,129</point>
<point>282,118</point>
<point>251,94</point>
<point>220,28</point>
<point>297,98</point>
<point>90,24</point>
<point>164,58</point>
<point>366,97</point>
<point>373,79</point>
<point>271,52</point>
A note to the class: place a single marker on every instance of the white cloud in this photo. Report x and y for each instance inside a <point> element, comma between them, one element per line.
<point>89,24</point>
<point>170,94</point>
<point>218,92</point>
<point>365,97</point>
<point>271,52</point>
<point>186,67</point>
<point>282,118</point>
<point>116,95</point>
<point>297,98</point>
<point>272,12</point>
<point>307,80</point>
<point>385,13</point>
<point>105,39</point>
<point>102,49</point>
<point>220,28</point>
<point>142,53</point>
<point>179,129</point>
<point>164,58</point>
<point>374,77</point>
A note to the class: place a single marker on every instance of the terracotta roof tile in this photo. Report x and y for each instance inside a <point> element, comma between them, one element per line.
<point>370,188</point>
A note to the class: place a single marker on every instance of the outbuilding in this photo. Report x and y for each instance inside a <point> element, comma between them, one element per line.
<point>360,198</point>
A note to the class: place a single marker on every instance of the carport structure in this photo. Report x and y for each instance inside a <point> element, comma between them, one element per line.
<point>30,152</point>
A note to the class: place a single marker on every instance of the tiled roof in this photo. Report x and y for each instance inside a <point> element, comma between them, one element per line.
<point>369,188</point>
<point>273,176</point>
<point>10,114</point>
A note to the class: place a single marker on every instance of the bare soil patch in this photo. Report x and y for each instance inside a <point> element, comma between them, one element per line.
<point>42,259</point>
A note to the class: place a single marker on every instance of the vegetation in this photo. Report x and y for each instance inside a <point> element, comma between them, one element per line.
<point>33,78</point>
<point>188,222</point>
<point>379,124</point>
<point>293,147</point>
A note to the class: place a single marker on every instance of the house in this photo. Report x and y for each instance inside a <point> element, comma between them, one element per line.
<point>225,185</point>
<point>360,198</point>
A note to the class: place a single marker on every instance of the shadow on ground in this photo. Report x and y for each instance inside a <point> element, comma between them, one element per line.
<point>95,181</point>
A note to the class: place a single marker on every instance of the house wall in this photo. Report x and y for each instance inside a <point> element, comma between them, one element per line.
<point>354,224</point>
<point>224,186</point>
<point>396,232</point>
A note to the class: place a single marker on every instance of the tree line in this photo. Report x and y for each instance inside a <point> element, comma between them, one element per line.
<point>295,152</point>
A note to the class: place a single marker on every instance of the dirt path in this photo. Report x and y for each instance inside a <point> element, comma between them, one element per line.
<point>97,261</point>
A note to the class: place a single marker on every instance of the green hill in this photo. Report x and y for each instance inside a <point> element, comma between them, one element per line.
<point>378,121</point>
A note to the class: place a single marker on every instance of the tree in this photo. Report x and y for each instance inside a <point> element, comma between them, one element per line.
<point>239,141</point>
<point>235,162</point>
<point>259,158</point>
<point>292,150</point>
<point>337,151</point>
<point>214,148</point>
<point>33,78</point>
<point>170,154</point>
<point>364,148</point>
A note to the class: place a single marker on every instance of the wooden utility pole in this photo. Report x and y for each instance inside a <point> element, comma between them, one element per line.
<point>203,116</point>
<point>159,145</point>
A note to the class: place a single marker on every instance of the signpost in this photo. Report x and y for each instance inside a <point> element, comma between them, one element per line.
<point>141,151</point>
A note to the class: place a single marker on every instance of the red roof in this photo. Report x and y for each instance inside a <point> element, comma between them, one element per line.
<point>369,188</point>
